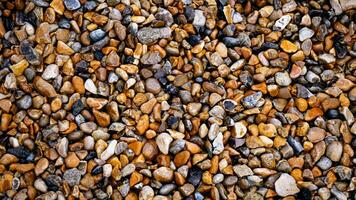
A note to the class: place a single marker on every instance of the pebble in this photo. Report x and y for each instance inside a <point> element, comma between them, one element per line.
<point>199,18</point>
<point>163,174</point>
<point>150,35</point>
<point>152,85</point>
<point>285,185</point>
<point>163,141</point>
<point>72,176</point>
<point>305,33</point>
<point>72,4</point>
<point>51,72</point>
<point>334,151</point>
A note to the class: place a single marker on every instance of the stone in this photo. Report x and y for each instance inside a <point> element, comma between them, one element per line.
<point>305,33</point>
<point>71,161</point>
<point>242,170</point>
<point>187,189</point>
<point>50,72</point>
<point>72,4</point>
<point>149,35</point>
<point>163,174</point>
<point>72,176</point>
<point>282,22</point>
<point>285,185</point>
<point>283,78</point>
<point>152,85</point>
<point>90,86</point>
<point>19,67</point>
<point>288,46</point>
<point>151,58</point>
<point>199,18</point>
<point>163,141</point>
<point>239,130</point>
<point>97,34</point>
<point>316,134</point>
<point>128,170</point>
<point>45,88</point>
<point>63,48</point>
<point>109,151</point>
<point>24,102</point>
<point>334,151</point>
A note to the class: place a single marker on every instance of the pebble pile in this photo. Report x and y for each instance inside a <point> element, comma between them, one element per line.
<point>177,99</point>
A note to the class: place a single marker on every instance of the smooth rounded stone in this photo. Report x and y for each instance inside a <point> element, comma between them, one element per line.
<point>152,85</point>
<point>166,189</point>
<point>334,151</point>
<point>90,86</point>
<point>24,102</point>
<point>230,180</point>
<point>72,176</point>
<point>128,170</point>
<point>45,88</point>
<point>163,141</point>
<point>177,146</point>
<point>50,72</point>
<point>324,163</point>
<point>109,151</point>
<point>89,143</point>
<point>316,134</point>
<point>286,185</point>
<point>283,78</point>
<point>72,4</point>
<point>40,185</point>
<point>164,15</point>
<point>282,22</point>
<point>146,193</point>
<point>97,35</point>
<point>218,178</point>
<point>163,174</point>
<point>305,33</point>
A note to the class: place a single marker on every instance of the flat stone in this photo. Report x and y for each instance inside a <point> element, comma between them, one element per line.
<point>149,35</point>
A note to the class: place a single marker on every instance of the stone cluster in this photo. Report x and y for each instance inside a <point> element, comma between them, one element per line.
<point>177,99</point>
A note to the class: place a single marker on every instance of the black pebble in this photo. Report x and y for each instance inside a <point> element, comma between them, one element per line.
<point>78,106</point>
<point>195,175</point>
<point>97,170</point>
<point>332,114</point>
<point>304,194</point>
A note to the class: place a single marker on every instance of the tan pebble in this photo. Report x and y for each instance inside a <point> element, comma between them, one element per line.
<point>71,160</point>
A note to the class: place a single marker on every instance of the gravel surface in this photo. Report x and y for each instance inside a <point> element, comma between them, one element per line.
<point>177,99</point>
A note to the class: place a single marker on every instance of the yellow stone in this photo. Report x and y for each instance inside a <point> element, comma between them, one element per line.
<point>19,67</point>
<point>288,46</point>
<point>63,48</point>
<point>58,6</point>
